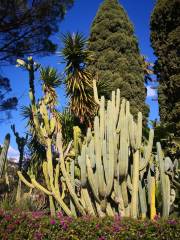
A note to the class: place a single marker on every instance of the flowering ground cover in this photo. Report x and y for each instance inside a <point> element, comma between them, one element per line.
<point>17,225</point>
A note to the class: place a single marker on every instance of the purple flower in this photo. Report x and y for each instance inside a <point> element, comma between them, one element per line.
<point>38,236</point>
<point>97,226</point>
<point>156,217</point>
<point>64,226</point>
<point>16,221</point>
<point>7,217</point>
<point>102,238</point>
<point>59,215</point>
<point>52,221</point>
<point>69,219</point>
<point>116,229</point>
<point>37,214</point>
<point>172,222</point>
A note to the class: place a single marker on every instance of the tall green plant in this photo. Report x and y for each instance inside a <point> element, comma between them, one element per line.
<point>165,22</point>
<point>78,81</point>
<point>117,61</point>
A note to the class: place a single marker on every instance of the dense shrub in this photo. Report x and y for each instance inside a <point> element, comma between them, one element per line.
<point>37,225</point>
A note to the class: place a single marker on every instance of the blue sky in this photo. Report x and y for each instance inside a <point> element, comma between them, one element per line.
<point>79,18</point>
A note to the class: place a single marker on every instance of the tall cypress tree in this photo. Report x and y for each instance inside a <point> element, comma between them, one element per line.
<point>165,39</point>
<point>117,61</point>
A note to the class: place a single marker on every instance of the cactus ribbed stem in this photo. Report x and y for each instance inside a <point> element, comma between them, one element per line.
<point>165,183</point>
<point>66,175</point>
<point>101,182</point>
<point>152,202</point>
<point>87,200</point>
<point>135,184</point>
<point>142,200</point>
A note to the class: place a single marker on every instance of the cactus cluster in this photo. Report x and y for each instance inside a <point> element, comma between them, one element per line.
<point>110,171</point>
<point>114,160</point>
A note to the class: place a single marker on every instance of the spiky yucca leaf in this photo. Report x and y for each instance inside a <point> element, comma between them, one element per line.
<point>67,122</point>
<point>79,82</point>
<point>50,77</point>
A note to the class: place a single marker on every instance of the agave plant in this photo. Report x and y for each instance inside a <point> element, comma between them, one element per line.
<point>78,81</point>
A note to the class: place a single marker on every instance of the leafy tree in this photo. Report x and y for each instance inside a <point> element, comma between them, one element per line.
<point>27,25</point>
<point>165,39</point>
<point>117,61</point>
<point>79,82</point>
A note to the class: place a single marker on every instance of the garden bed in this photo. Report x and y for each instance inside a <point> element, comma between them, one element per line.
<point>38,225</point>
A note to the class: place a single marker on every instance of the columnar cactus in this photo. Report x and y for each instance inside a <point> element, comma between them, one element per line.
<point>164,182</point>
<point>3,155</point>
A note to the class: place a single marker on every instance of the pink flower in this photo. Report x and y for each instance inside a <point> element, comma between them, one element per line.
<point>7,217</point>
<point>97,226</point>
<point>37,214</point>
<point>117,218</point>
<point>156,217</point>
<point>59,215</point>
<point>52,221</point>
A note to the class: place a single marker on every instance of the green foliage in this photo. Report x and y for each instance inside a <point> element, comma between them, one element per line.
<point>75,53</point>
<point>50,77</point>
<point>37,225</point>
<point>165,39</point>
<point>67,121</point>
<point>117,62</point>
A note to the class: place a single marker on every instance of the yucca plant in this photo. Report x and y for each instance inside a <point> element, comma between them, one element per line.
<point>50,79</point>
<point>78,80</point>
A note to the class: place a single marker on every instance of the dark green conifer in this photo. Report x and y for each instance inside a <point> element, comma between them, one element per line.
<point>117,61</point>
<point>165,39</point>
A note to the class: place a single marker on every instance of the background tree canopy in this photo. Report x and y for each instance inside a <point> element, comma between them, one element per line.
<point>117,61</point>
<point>25,29</point>
<point>165,39</point>
<point>6,104</point>
<point>27,25</point>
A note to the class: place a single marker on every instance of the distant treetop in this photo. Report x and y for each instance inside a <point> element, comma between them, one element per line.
<point>117,61</point>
